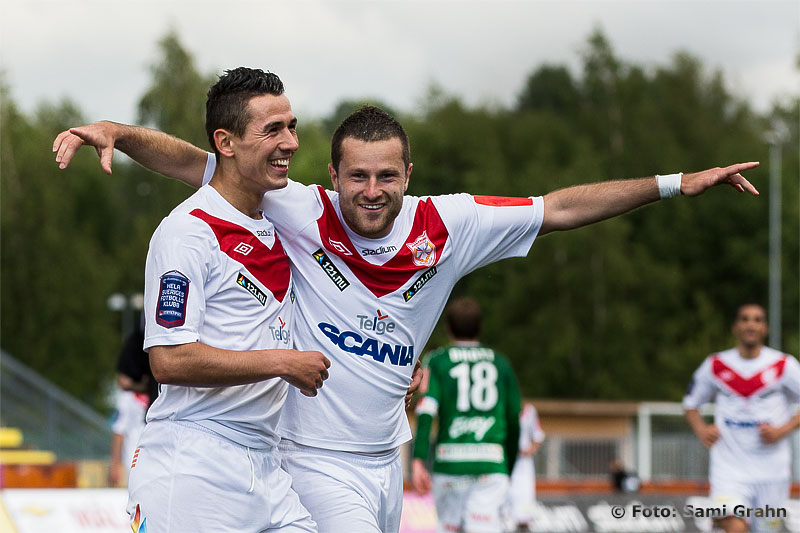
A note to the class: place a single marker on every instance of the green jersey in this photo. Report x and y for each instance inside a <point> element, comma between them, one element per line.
<point>473,392</point>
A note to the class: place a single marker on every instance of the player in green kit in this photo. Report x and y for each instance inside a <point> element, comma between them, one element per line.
<point>473,392</point>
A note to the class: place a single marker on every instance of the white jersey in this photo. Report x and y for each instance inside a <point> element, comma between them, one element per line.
<point>370,305</point>
<point>131,408</point>
<point>217,276</point>
<point>522,493</point>
<point>530,430</point>
<point>746,393</point>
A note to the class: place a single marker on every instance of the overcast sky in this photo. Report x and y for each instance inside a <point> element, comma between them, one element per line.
<point>98,52</point>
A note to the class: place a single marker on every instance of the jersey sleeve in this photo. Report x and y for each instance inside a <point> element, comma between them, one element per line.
<point>792,381</point>
<point>211,166</point>
<point>701,388</point>
<point>176,272</point>
<point>292,208</point>
<point>485,229</point>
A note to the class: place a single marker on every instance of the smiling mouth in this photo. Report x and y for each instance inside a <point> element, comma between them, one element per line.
<point>280,164</point>
<point>372,207</point>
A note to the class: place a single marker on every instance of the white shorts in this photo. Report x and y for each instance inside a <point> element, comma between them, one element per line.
<point>738,496</point>
<point>345,491</point>
<point>187,478</point>
<point>473,504</point>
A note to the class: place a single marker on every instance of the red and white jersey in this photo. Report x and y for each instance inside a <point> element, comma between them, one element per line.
<point>370,305</point>
<point>746,393</point>
<point>130,411</point>
<point>217,276</point>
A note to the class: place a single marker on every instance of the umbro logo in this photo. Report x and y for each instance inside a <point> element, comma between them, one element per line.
<point>339,247</point>
<point>243,248</point>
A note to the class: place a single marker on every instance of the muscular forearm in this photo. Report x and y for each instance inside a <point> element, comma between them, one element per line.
<point>162,153</point>
<point>199,365</point>
<point>586,204</point>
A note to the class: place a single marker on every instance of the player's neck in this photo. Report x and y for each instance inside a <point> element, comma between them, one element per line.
<point>749,352</point>
<point>245,201</point>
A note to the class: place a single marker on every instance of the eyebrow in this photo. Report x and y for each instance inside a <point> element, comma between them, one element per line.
<point>269,125</point>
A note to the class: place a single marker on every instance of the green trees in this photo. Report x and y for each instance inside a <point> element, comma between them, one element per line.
<point>624,309</point>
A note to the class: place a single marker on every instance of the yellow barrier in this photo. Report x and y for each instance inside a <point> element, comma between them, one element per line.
<point>27,457</point>
<point>10,438</point>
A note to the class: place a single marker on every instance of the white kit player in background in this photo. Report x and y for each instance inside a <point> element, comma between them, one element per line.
<point>128,423</point>
<point>373,270</point>
<point>522,493</point>
<point>219,305</point>
<point>755,390</point>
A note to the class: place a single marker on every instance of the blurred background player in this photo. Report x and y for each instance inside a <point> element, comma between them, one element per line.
<point>472,391</point>
<point>133,365</point>
<point>754,388</point>
<point>128,423</point>
<point>522,494</point>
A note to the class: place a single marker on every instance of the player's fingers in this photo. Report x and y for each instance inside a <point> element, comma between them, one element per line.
<point>324,374</point>
<point>741,167</point>
<point>106,155</point>
<point>59,139</point>
<point>741,183</point>
<point>308,392</point>
<point>67,149</point>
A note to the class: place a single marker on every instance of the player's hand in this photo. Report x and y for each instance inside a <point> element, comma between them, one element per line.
<point>420,478</point>
<point>101,135</point>
<point>770,434</point>
<point>306,371</point>
<point>416,379</point>
<point>698,182</point>
<point>708,435</point>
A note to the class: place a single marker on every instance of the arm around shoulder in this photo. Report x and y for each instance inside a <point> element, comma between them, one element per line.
<point>153,149</point>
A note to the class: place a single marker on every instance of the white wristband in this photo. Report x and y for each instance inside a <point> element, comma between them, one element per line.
<point>669,185</point>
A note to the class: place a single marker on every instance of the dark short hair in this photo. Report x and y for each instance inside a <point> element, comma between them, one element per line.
<point>748,303</point>
<point>226,106</point>
<point>464,318</point>
<point>368,124</point>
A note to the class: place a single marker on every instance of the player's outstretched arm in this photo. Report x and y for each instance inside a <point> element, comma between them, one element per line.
<point>153,149</point>
<point>581,205</point>
<point>199,365</point>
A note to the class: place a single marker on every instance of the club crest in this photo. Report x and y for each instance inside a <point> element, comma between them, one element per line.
<point>423,251</point>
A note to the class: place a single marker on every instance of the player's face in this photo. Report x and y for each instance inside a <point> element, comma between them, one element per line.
<point>265,150</point>
<point>750,327</point>
<point>371,181</point>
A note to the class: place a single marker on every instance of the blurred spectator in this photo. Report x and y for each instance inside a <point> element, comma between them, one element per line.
<point>621,480</point>
<point>127,424</point>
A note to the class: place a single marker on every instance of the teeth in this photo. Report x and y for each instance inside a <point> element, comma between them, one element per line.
<point>280,162</point>
<point>371,206</point>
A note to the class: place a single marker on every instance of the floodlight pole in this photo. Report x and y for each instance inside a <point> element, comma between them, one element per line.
<point>775,139</point>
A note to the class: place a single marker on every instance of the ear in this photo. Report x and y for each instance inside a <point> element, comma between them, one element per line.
<point>224,142</point>
<point>408,176</point>
<point>334,177</point>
